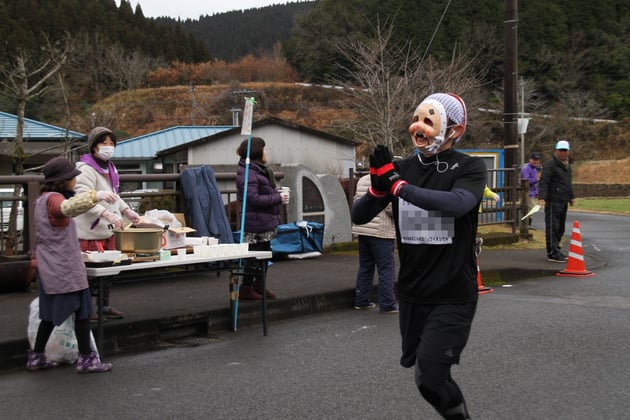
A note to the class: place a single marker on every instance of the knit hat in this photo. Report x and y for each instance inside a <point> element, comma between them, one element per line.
<point>96,136</point>
<point>455,109</point>
<point>535,155</point>
<point>59,169</point>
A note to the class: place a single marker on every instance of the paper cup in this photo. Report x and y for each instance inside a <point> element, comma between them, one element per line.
<point>181,253</point>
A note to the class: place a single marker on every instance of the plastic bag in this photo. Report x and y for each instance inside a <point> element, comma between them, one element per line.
<point>62,345</point>
<point>159,218</point>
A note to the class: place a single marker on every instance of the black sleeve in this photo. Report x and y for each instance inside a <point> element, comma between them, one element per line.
<point>367,207</point>
<point>456,202</point>
<point>545,178</point>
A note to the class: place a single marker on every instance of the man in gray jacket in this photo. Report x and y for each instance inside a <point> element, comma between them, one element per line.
<point>376,250</point>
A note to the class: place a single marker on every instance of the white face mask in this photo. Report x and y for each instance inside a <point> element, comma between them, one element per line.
<point>105,152</point>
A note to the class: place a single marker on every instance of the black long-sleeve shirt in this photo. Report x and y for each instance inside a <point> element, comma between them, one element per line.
<point>436,217</point>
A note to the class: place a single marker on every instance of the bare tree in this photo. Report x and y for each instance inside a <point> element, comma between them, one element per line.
<point>28,76</point>
<point>380,79</point>
<point>128,70</point>
<point>25,77</point>
<point>387,81</point>
<point>88,66</point>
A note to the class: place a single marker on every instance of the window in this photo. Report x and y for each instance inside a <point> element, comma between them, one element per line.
<point>312,202</point>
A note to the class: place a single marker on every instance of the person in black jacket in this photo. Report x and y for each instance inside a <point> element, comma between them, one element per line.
<point>555,193</point>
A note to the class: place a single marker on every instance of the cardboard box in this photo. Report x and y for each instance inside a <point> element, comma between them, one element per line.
<point>181,218</point>
<point>175,237</point>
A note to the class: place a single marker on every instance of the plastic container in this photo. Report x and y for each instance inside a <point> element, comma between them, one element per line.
<point>105,256</point>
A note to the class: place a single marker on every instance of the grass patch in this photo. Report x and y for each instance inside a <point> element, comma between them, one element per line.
<point>609,205</point>
<point>535,241</point>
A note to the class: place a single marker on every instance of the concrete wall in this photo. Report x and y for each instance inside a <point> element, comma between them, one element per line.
<point>336,215</point>
<point>338,212</point>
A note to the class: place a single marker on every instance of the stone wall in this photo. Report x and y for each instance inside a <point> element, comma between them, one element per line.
<point>601,190</point>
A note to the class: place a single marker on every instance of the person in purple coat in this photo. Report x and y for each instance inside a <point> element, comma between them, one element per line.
<point>531,172</point>
<point>262,213</point>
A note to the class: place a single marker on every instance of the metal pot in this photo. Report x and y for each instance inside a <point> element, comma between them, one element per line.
<point>139,240</point>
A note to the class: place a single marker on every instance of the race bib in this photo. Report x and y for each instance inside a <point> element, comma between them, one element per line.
<point>420,226</point>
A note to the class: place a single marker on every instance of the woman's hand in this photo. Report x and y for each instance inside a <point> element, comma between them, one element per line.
<point>108,196</point>
<point>132,216</point>
<point>113,219</point>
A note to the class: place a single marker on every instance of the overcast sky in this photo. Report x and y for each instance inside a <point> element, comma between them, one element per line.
<point>194,8</point>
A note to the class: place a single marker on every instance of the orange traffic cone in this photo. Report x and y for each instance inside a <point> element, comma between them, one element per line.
<point>575,264</point>
<point>481,289</point>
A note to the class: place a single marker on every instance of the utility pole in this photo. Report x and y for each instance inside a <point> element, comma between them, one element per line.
<point>192,105</point>
<point>522,122</point>
<point>510,142</point>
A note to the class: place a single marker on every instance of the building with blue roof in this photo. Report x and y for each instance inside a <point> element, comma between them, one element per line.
<point>41,142</point>
<point>172,149</point>
<point>147,146</point>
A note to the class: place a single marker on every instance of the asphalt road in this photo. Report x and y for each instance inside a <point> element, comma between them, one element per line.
<point>550,348</point>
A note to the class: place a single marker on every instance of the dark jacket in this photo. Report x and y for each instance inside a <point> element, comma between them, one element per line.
<point>205,205</point>
<point>555,182</point>
<point>263,200</point>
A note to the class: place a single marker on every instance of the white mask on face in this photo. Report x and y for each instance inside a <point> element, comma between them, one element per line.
<point>105,152</point>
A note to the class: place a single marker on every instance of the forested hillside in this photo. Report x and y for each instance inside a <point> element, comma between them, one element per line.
<point>25,24</point>
<point>115,66</point>
<point>573,53</point>
<point>232,35</point>
<point>100,48</point>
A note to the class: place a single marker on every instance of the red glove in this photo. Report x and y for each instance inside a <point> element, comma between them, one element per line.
<point>383,176</point>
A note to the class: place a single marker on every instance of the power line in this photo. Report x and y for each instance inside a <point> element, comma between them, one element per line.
<point>435,31</point>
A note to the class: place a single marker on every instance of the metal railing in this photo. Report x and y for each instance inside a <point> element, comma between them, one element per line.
<point>169,194</point>
<point>169,197</point>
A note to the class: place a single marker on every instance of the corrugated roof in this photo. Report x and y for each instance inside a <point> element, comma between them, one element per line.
<point>148,145</point>
<point>258,124</point>
<point>33,130</point>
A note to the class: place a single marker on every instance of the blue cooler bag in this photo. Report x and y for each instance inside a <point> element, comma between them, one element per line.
<point>298,238</point>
